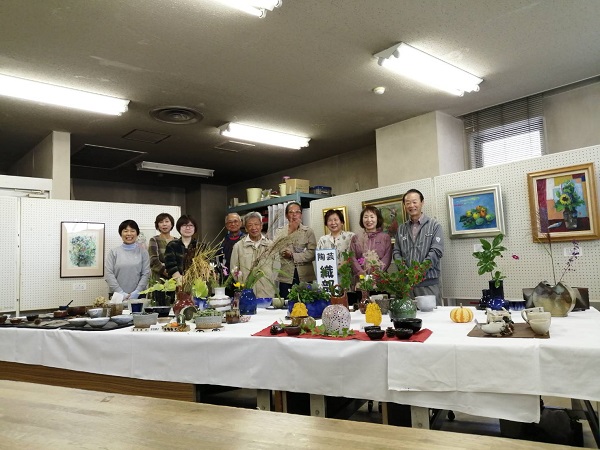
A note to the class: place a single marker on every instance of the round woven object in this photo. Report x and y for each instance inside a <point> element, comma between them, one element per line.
<point>335,318</point>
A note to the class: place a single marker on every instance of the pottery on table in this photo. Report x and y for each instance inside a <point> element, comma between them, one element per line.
<point>559,300</point>
<point>375,335</point>
<point>404,333</point>
<point>408,322</point>
<point>98,322</point>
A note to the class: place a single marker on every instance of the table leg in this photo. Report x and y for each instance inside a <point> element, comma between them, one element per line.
<point>263,399</point>
<point>419,417</point>
<point>317,405</point>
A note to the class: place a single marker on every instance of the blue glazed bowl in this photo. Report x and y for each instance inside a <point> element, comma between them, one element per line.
<point>263,302</point>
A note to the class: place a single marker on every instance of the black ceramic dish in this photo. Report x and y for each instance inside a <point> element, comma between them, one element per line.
<point>292,330</point>
<point>372,327</point>
<point>413,323</point>
<point>32,317</point>
<point>404,333</point>
<point>163,311</point>
<point>376,334</point>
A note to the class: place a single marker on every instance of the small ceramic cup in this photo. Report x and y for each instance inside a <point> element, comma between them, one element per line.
<point>496,316</point>
<point>539,316</point>
<point>526,312</point>
<point>540,326</point>
<point>425,303</point>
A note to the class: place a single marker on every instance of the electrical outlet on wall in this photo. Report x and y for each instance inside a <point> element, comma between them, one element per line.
<point>477,248</point>
<point>79,286</point>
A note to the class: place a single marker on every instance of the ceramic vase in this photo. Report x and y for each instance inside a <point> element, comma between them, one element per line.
<point>402,308</point>
<point>247,302</point>
<point>336,318</point>
<point>341,300</point>
<point>559,300</point>
<point>570,218</point>
<point>183,299</point>
<point>362,305</point>
<point>496,292</point>
<point>220,293</point>
<point>315,309</point>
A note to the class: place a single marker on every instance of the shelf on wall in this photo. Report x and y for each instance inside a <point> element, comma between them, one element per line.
<point>302,198</point>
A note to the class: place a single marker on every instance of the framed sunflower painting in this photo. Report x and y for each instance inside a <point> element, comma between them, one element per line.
<point>564,204</point>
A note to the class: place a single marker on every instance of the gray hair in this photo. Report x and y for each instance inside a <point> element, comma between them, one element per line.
<point>252,215</point>
<point>233,214</point>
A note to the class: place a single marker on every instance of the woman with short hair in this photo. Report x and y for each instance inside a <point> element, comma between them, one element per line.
<point>179,252</point>
<point>337,238</point>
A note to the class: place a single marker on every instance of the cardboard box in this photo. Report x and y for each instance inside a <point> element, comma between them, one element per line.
<point>296,184</point>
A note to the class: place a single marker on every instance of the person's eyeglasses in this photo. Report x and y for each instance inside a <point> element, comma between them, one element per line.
<point>294,212</point>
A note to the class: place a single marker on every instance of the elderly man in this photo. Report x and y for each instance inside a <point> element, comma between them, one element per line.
<point>233,224</point>
<point>421,238</point>
<point>251,255</point>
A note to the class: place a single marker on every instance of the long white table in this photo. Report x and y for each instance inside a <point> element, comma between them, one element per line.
<point>492,377</point>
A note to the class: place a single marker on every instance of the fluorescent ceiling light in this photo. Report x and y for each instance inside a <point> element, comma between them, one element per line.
<point>253,134</point>
<point>178,170</point>
<point>427,69</point>
<point>61,96</point>
<point>254,7</point>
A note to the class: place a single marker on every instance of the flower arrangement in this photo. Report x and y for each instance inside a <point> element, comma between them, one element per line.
<point>566,198</point>
<point>366,283</point>
<point>570,261</point>
<point>307,293</point>
<point>487,258</point>
<point>400,282</point>
<point>345,271</point>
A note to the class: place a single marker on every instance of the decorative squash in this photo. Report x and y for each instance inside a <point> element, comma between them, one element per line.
<point>373,314</point>
<point>299,310</point>
<point>461,315</point>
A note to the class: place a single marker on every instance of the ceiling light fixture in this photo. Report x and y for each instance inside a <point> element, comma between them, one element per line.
<point>253,134</point>
<point>254,7</point>
<point>427,69</point>
<point>61,96</point>
<point>172,169</point>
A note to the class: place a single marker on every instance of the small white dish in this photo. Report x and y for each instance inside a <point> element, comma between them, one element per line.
<point>98,322</point>
<point>122,319</point>
<point>78,321</point>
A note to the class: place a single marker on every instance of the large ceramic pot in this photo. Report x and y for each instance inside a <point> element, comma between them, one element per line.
<point>559,300</point>
<point>402,308</point>
<point>315,309</point>
<point>339,296</point>
<point>336,318</point>
<point>247,302</point>
<point>496,292</point>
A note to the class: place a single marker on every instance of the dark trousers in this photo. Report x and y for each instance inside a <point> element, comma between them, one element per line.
<point>284,288</point>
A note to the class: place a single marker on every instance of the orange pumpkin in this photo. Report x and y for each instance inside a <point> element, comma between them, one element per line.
<point>461,315</point>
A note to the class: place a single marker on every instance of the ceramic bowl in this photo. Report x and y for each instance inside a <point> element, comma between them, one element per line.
<point>144,320</point>
<point>60,313</point>
<point>413,323</point>
<point>375,334</point>
<point>32,317</point>
<point>122,319</point>
<point>95,312</point>
<point>78,321</point>
<point>98,322</point>
<point>404,333</point>
<point>292,330</point>
<point>163,311</point>
<point>15,320</point>
<point>372,327</point>
<point>76,310</point>
<point>263,302</point>
<point>3,319</point>
<point>245,319</point>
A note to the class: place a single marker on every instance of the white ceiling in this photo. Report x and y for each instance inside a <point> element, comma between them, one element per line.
<point>307,68</point>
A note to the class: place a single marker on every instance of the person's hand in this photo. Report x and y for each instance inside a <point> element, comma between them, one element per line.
<point>134,295</point>
<point>287,254</point>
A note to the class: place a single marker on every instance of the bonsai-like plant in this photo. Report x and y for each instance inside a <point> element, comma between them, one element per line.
<point>307,293</point>
<point>398,283</point>
<point>345,271</point>
<point>486,258</point>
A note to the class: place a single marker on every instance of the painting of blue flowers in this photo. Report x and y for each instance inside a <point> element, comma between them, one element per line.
<point>82,249</point>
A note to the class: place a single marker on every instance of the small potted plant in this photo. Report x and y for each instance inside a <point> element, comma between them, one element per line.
<point>208,318</point>
<point>315,298</point>
<point>486,263</point>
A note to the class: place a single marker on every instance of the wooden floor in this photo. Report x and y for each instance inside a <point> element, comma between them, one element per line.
<point>39,416</point>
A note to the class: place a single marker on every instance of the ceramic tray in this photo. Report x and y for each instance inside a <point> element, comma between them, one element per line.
<point>522,330</point>
<point>109,326</point>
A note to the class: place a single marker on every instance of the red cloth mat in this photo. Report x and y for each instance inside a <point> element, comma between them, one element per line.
<point>420,336</point>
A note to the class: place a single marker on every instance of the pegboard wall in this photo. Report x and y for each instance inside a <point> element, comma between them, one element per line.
<point>459,268</point>
<point>41,286</point>
<point>9,243</point>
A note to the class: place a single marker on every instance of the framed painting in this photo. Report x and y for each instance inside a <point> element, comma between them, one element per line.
<point>564,204</point>
<point>342,209</point>
<point>476,212</point>
<point>81,249</point>
<point>392,210</point>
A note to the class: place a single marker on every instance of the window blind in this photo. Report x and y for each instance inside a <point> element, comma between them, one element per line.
<point>504,133</point>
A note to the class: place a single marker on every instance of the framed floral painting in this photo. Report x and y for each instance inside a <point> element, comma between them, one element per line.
<point>342,209</point>
<point>476,212</point>
<point>81,249</point>
<point>392,210</point>
<point>564,203</point>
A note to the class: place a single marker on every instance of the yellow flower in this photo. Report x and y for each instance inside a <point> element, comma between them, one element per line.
<point>565,199</point>
<point>238,285</point>
<point>361,276</point>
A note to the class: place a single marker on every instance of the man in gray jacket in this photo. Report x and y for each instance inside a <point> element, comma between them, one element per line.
<point>420,238</point>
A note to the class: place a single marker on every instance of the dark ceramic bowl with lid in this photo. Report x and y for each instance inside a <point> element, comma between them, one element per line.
<point>375,334</point>
<point>413,323</point>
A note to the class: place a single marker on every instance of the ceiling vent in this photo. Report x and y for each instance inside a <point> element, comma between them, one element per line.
<point>234,146</point>
<point>98,157</point>
<point>146,136</point>
<point>176,115</point>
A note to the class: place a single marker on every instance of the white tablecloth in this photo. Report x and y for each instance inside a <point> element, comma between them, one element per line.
<point>426,374</point>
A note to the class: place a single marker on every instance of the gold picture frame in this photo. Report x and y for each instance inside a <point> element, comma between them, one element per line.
<point>564,203</point>
<point>344,213</point>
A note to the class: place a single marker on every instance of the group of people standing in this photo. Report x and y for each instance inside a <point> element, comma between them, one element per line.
<point>129,268</point>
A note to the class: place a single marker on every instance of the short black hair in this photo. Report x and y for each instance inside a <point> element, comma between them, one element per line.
<point>413,191</point>
<point>330,213</point>
<point>375,211</point>
<point>129,223</point>
<point>185,219</point>
<point>163,216</point>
